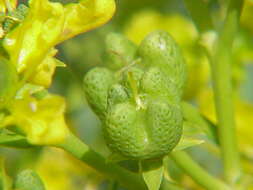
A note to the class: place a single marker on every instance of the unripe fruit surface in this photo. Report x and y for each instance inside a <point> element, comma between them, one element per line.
<point>139,104</point>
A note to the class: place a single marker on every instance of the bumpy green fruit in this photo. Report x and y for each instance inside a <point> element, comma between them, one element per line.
<point>120,51</point>
<point>139,104</point>
<point>97,83</point>
<point>28,180</point>
<point>145,133</point>
<point>161,50</point>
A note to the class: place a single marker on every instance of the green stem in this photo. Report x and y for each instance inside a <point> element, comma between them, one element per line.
<point>78,149</point>
<point>222,85</point>
<point>5,180</point>
<point>200,13</point>
<point>198,174</point>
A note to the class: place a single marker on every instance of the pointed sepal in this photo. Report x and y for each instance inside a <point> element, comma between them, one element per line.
<point>152,173</point>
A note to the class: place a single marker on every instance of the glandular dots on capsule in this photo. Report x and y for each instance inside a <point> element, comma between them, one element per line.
<point>139,104</point>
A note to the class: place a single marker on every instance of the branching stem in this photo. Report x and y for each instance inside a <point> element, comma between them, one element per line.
<point>78,149</point>
<point>197,173</point>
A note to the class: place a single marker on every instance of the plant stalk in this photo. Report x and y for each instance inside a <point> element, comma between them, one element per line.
<point>197,173</point>
<point>78,149</point>
<point>221,63</point>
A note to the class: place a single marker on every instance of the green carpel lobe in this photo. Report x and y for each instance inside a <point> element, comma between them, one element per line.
<point>139,104</point>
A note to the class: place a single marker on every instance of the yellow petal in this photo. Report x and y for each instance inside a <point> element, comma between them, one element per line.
<point>144,22</point>
<point>60,171</point>
<point>86,15</point>
<point>42,121</point>
<point>30,42</point>
<point>44,72</point>
<point>47,24</point>
<point>4,4</point>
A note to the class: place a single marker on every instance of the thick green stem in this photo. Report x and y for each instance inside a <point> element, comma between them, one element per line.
<point>82,152</point>
<point>198,174</point>
<point>222,84</point>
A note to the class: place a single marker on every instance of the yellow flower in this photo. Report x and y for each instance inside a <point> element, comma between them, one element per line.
<point>49,23</point>
<point>44,72</point>
<point>30,42</point>
<point>59,171</point>
<point>86,15</point>
<point>4,4</point>
<point>30,46</point>
<point>146,21</point>
<point>42,121</point>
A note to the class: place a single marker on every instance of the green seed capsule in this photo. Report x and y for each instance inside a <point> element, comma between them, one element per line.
<point>28,180</point>
<point>145,133</point>
<point>164,121</point>
<point>156,82</point>
<point>159,49</point>
<point>122,132</point>
<point>136,72</point>
<point>117,94</point>
<point>139,103</point>
<point>96,85</point>
<point>119,51</point>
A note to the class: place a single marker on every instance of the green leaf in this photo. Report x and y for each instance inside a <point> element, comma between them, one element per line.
<point>196,130</point>
<point>152,172</point>
<point>11,139</point>
<point>5,181</point>
<point>196,125</point>
<point>191,136</point>
<point>187,142</point>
